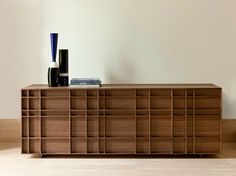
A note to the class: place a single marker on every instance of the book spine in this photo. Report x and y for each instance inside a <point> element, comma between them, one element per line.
<point>94,79</point>
<point>84,86</point>
<point>85,82</point>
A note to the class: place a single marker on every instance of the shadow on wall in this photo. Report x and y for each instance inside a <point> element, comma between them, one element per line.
<point>119,71</point>
<point>228,105</point>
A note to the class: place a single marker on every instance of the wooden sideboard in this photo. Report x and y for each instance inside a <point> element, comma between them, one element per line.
<point>122,119</point>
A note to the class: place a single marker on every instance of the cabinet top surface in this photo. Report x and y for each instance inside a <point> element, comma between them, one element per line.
<point>130,86</point>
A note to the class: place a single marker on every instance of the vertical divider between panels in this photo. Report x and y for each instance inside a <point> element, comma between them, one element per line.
<point>194,122</point>
<point>105,142</point>
<point>98,121</point>
<point>172,121</point>
<point>28,127</point>
<point>86,119</point>
<point>135,109</point>
<point>70,125</point>
<point>40,121</point>
<point>221,142</point>
<point>21,130</point>
<point>186,120</point>
<point>149,124</point>
<point>101,121</point>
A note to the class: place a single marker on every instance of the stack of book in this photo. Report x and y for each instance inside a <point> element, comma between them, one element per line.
<point>85,82</point>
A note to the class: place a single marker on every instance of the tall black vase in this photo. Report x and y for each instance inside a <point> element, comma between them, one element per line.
<point>63,65</point>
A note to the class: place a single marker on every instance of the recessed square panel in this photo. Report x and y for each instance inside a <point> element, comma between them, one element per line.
<point>189,92</point>
<point>78,126</point>
<point>210,103</point>
<point>179,92</point>
<point>120,92</point>
<point>93,146</point>
<point>55,103</point>
<point>55,127</point>
<point>34,93</point>
<point>92,93</point>
<point>78,92</point>
<point>24,146</point>
<point>190,126</point>
<point>142,128</point>
<point>34,103</point>
<point>120,146</point>
<point>207,126</point>
<point>24,128</point>
<point>92,104</point>
<point>79,146</point>
<point>142,145</point>
<point>190,101</point>
<point>161,146</point>
<point>160,92</point>
<point>24,93</point>
<point>120,103</point>
<point>24,103</point>
<point>179,126</point>
<point>142,92</point>
<point>55,146</point>
<point>161,126</point>
<point>208,92</point>
<point>142,103</point>
<point>24,113</point>
<point>207,145</point>
<point>160,103</point>
<point>180,145</point>
<point>55,93</point>
<point>78,103</point>
<point>92,129</point>
<point>34,127</point>
<point>120,126</point>
<point>34,146</point>
<point>179,103</point>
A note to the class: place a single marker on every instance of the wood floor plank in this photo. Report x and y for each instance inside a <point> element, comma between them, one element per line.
<point>13,163</point>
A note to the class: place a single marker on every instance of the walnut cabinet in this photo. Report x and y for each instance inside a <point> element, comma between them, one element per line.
<point>127,119</point>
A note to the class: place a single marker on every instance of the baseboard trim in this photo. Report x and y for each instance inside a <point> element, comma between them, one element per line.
<point>10,130</point>
<point>229,130</point>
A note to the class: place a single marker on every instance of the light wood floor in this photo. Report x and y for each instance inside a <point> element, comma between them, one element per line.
<point>12,163</point>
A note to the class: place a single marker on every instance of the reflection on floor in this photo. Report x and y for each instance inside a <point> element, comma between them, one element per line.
<point>12,163</point>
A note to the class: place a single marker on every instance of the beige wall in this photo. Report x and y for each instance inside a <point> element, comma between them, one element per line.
<point>120,41</point>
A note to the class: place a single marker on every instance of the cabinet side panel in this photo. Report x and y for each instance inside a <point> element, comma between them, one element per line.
<point>24,121</point>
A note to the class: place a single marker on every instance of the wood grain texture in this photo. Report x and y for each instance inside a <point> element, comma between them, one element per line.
<point>122,119</point>
<point>10,130</point>
<point>229,130</point>
<point>15,164</point>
